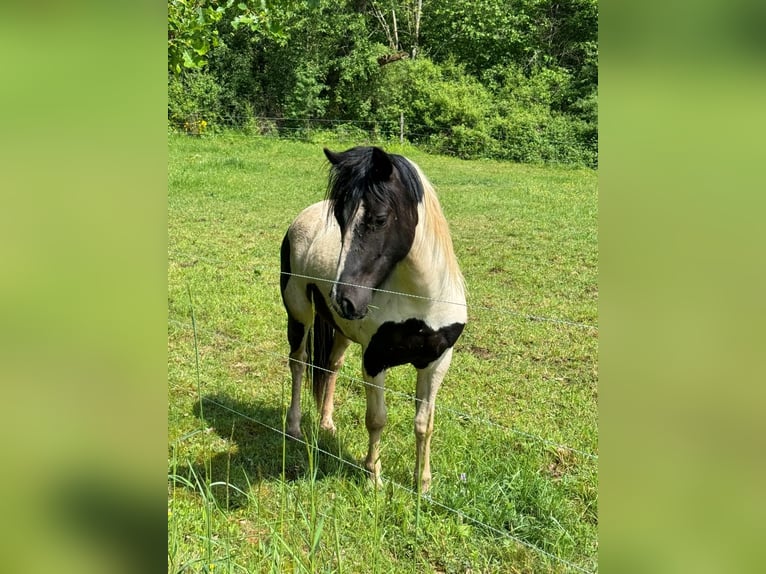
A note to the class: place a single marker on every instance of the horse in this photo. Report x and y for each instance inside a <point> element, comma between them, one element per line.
<point>373,263</point>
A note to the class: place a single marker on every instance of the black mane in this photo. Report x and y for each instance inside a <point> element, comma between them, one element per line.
<point>358,176</point>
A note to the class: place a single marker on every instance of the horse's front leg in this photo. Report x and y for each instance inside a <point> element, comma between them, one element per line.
<point>327,406</point>
<point>429,381</point>
<point>375,420</point>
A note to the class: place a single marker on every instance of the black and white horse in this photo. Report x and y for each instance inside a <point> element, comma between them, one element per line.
<point>345,262</point>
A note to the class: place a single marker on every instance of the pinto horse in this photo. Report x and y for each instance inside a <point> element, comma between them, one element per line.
<point>373,263</point>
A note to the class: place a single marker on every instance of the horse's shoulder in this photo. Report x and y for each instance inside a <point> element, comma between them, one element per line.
<point>312,229</point>
<point>310,217</point>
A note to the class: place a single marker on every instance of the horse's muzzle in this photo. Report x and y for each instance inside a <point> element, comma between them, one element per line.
<point>345,305</point>
<point>349,311</point>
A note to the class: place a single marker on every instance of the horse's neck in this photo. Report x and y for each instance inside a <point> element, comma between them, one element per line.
<point>423,281</point>
<point>429,270</point>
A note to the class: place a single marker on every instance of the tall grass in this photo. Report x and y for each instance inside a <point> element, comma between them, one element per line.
<point>505,498</point>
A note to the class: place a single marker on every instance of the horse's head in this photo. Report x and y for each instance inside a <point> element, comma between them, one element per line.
<point>374,197</point>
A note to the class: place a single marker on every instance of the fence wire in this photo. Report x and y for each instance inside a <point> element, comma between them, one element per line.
<point>480,420</point>
<point>500,143</point>
<point>460,304</point>
<point>461,414</point>
<point>504,311</point>
<point>426,497</point>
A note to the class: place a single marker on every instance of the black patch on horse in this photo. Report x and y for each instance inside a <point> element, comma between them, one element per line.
<point>320,305</point>
<point>284,256</point>
<point>295,329</point>
<point>411,342</point>
<point>295,332</point>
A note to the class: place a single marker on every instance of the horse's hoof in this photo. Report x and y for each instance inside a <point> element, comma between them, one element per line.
<point>295,433</point>
<point>425,484</point>
<point>374,483</point>
<point>329,426</point>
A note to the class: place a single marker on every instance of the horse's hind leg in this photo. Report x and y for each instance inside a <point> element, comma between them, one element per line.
<point>337,354</point>
<point>429,381</point>
<point>297,335</point>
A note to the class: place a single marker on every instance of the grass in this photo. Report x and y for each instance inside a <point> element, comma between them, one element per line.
<point>505,497</point>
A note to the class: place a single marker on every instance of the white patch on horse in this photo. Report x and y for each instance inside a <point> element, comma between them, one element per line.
<point>356,219</point>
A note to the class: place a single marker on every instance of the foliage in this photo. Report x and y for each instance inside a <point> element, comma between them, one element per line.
<point>191,31</point>
<point>511,116</point>
<point>481,34</point>
<point>192,99</point>
<point>489,80</point>
<point>323,65</point>
<point>530,34</point>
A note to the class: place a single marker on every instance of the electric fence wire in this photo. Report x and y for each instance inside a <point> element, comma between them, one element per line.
<point>396,485</point>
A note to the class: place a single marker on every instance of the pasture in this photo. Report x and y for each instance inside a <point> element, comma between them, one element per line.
<point>514,449</point>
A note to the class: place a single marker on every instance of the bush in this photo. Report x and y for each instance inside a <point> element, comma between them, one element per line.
<point>518,85</point>
<point>350,133</point>
<point>252,125</point>
<point>307,98</point>
<point>519,135</point>
<point>512,116</point>
<point>464,142</point>
<point>193,102</point>
<point>442,105</point>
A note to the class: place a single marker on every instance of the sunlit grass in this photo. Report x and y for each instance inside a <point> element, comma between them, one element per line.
<point>244,499</point>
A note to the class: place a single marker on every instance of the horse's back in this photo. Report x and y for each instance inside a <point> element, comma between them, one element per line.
<point>314,240</point>
<point>309,257</point>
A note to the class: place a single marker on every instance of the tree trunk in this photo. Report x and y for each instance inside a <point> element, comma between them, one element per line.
<point>416,36</point>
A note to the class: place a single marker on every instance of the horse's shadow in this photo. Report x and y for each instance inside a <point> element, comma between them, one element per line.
<point>260,452</point>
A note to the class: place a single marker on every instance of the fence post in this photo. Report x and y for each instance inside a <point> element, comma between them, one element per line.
<point>401,127</point>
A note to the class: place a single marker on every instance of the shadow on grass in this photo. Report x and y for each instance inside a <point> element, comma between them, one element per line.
<point>259,451</point>
<point>100,514</point>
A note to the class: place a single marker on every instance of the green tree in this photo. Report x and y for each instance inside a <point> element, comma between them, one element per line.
<point>193,26</point>
<point>191,31</point>
<point>513,79</point>
<point>324,64</point>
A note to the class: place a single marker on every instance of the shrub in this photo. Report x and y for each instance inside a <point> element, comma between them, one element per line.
<point>441,105</point>
<point>255,126</point>
<point>519,134</point>
<point>307,98</point>
<point>193,104</point>
<point>350,133</point>
<point>512,116</point>
<point>464,142</point>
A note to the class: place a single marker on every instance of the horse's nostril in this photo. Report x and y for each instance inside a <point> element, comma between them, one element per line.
<point>347,308</point>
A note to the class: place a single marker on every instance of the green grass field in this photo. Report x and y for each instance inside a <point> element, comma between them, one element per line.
<point>508,495</point>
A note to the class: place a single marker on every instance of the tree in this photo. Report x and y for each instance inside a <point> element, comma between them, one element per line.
<point>410,12</point>
<point>513,79</point>
<point>192,32</point>
<point>193,26</point>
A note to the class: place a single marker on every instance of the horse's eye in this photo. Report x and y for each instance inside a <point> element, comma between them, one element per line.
<point>379,220</point>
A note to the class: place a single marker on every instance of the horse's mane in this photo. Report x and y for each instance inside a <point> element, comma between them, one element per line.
<point>436,237</point>
<point>351,179</point>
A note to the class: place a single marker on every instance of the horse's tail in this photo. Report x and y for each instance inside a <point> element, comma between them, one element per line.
<point>320,345</point>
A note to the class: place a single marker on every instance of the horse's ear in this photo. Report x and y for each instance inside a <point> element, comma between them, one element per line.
<point>381,164</point>
<point>333,157</point>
